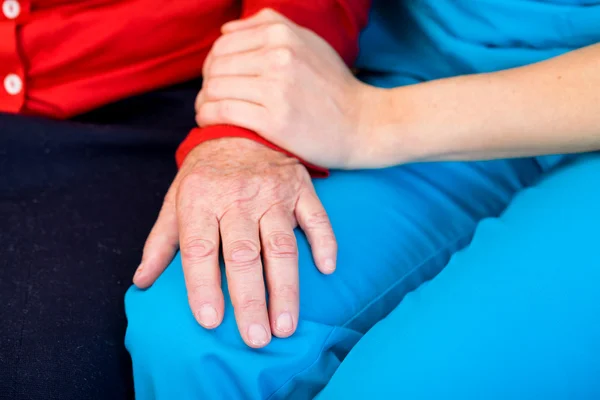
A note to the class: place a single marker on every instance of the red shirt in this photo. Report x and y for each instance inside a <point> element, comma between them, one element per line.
<point>60,58</point>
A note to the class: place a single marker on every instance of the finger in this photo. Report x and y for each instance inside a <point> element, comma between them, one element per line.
<point>240,41</point>
<point>241,251</point>
<point>240,64</point>
<point>248,89</point>
<point>262,62</point>
<point>228,71</point>
<point>199,99</point>
<point>273,34</point>
<point>199,238</point>
<point>264,16</point>
<point>280,255</point>
<point>206,64</point>
<point>314,221</point>
<point>233,112</point>
<point>161,245</point>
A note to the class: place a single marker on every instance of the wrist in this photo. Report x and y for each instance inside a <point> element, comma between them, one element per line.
<point>230,144</point>
<point>409,124</point>
<point>362,148</point>
<point>239,150</point>
<point>238,145</point>
<point>384,116</point>
<point>232,154</point>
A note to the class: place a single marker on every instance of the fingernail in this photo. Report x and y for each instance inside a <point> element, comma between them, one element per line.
<point>257,334</point>
<point>329,265</point>
<point>138,270</point>
<point>207,315</point>
<point>284,322</point>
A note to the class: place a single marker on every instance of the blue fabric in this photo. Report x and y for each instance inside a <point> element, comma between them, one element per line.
<point>410,41</point>
<point>396,229</point>
<point>516,315</point>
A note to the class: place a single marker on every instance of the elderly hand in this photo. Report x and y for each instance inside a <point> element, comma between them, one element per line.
<point>246,197</point>
<point>276,78</point>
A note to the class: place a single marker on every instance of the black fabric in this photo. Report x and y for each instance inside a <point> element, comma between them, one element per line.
<point>77,200</point>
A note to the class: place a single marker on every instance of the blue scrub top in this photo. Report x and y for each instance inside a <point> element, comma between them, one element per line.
<point>409,41</point>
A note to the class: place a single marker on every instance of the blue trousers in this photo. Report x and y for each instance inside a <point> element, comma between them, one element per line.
<point>397,228</point>
<point>516,315</point>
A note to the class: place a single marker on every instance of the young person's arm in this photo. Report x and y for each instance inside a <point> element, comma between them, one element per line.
<point>545,108</point>
<point>550,107</point>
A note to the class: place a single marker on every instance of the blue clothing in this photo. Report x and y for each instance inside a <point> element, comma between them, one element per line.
<point>516,315</point>
<point>396,228</point>
<point>410,41</point>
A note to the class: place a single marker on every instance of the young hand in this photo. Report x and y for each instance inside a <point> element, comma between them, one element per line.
<point>284,82</point>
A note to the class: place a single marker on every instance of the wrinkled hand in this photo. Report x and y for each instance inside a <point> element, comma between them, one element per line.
<point>276,78</point>
<point>246,197</point>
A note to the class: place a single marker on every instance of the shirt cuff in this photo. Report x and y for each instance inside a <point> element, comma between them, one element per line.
<point>200,135</point>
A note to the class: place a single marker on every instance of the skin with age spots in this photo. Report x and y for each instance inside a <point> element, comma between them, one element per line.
<point>247,198</point>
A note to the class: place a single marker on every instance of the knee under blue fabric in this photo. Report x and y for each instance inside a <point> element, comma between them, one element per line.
<point>396,229</point>
<point>515,315</point>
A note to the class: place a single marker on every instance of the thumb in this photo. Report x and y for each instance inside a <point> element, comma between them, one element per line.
<point>161,245</point>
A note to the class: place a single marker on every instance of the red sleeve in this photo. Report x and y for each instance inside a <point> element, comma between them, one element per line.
<point>199,135</point>
<point>339,22</point>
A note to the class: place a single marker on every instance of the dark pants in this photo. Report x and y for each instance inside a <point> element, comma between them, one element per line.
<point>77,200</point>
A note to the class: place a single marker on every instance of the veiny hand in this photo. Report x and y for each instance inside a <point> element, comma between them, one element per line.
<point>276,78</point>
<point>246,197</point>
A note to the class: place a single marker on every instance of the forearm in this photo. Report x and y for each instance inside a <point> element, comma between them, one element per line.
<point>545,108</point>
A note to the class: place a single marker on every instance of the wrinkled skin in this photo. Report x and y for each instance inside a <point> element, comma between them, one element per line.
<point>247,198</point>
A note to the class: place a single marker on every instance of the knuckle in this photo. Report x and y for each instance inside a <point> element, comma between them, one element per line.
<point>280,34</point>
<point>317,220</point>
<point>216,64</point>
<point>209,66</point>
<point>250,303</point>
<point>285,292</point>
<point>205,113</point>
<point>200,117</point>
<point>192,181</point>
<point>212,88</point>
<point>198,249</point>
<point>242,254</point>
<point>268,12</point>
<point>282,245</point>
<point>219,44</point>
<point>199,100</point>
<point>281,58</point>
